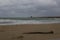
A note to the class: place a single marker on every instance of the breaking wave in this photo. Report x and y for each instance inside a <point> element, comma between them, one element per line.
<point>14,22</point>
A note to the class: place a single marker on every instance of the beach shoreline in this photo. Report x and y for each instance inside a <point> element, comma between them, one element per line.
<point>28,24</point>
<point>11,32</point>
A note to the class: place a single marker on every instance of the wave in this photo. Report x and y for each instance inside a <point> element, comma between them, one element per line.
<point>14,22</point>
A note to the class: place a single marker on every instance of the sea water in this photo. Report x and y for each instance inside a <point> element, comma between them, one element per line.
<point>35,21</point>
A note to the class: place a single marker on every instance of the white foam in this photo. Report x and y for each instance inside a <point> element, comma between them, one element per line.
<point>14,22</point>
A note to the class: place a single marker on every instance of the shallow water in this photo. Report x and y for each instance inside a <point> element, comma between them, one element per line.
<point>40,21</point>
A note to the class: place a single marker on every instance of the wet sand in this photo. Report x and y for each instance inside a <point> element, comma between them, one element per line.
<point>15,32</point>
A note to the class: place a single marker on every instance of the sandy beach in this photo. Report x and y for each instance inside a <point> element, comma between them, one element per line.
<point>15,32</point>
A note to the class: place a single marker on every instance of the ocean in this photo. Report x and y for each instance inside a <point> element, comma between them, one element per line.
<point>29,21</point>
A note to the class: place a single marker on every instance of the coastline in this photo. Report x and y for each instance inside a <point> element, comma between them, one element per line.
<point>11,32</point>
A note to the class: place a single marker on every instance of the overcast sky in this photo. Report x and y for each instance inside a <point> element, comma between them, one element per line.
<point>26,8</point>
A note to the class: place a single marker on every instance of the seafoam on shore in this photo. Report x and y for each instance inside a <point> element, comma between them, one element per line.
<point>14,22</point>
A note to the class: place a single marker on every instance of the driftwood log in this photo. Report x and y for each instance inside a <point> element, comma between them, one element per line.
<point>51,32</point>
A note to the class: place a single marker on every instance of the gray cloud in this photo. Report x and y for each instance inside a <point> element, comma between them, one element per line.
<point>25,8</point>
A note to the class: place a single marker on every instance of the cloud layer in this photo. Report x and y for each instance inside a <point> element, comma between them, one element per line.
<point>26,8</point>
